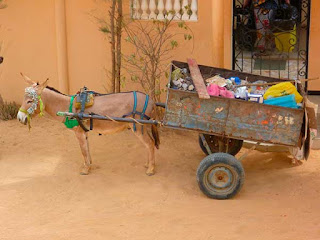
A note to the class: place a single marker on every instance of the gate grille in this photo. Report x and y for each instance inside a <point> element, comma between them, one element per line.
<point>272,39</point>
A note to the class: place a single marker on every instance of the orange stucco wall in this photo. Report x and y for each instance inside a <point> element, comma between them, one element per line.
<point>88,48</point>
<point>314,58</point>
<point>28,36</point>
<point>30,46</point>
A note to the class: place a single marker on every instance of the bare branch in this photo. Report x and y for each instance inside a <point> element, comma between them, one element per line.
<point>153,45</point>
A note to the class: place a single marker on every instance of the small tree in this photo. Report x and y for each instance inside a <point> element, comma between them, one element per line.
<point>153,43</point>
<point>114,30</point>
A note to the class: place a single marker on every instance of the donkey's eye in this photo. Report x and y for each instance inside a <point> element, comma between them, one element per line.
<point>29,101</point>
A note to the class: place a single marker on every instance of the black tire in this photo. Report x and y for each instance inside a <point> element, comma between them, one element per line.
<point>235,145</point>
<point>220,176</point>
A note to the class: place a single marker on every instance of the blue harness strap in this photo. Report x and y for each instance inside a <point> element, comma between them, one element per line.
<point>134,109</point>
<point>145,106</point>
<point>144,109</point>
<point>135,112</point>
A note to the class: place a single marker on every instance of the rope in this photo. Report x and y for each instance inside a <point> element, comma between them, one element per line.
<point>111,119</point>
<point>41,106</point>
<point>121,122</point>
<point>136,121</point>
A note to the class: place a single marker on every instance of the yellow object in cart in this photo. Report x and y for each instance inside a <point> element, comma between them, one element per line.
<point>283,89</point>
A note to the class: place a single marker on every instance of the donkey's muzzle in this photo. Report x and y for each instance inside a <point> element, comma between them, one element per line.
<point>22,118</point>
<point>23,121</point>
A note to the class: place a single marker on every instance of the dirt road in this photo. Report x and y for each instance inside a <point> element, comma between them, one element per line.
<point>42,195</point>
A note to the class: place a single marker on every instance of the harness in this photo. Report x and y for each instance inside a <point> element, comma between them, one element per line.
<point>36,99</point>
<point>71,123</point>
<point>135,112</point>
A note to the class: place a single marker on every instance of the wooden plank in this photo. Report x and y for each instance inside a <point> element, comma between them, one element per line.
<point>198,79</point>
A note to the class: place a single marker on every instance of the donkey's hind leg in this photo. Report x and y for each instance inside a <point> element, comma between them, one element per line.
<point>148,142</point>
<point>82,137</point>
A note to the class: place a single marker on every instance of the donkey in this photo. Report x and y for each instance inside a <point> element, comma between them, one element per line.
<point>39,97</point>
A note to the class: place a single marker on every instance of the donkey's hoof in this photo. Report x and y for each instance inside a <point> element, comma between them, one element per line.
<point>150,172</point>
<point>146,165</point>
<point>84,170</point>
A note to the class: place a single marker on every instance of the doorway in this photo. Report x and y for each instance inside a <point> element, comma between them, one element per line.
<point>271,37</point>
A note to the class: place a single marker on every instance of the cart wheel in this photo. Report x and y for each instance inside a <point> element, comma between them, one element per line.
<point>233,148</point>
<point>220,176</point>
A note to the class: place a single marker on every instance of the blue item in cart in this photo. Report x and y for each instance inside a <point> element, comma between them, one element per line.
<point>288,101</point>
<point>236,80</point>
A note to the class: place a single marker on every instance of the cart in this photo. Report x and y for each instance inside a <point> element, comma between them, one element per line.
<point>223,124</point>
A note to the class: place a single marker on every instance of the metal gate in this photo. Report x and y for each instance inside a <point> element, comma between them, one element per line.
<point>271,37</point>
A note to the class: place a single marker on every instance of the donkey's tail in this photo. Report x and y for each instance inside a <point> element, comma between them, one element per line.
<point>155,134</point>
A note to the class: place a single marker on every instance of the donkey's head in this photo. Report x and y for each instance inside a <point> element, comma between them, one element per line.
<point>32,103</point>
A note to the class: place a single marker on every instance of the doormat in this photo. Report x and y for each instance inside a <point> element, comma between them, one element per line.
<point>268,64</point>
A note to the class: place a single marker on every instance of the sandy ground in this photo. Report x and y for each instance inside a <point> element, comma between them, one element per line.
<point>42,195</point>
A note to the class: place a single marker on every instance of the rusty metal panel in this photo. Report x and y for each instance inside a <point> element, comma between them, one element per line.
<point>254,121</point>
<point>186,110</point>
<point>233,118</point>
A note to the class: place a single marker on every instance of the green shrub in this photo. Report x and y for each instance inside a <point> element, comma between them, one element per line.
<point>8,110</point>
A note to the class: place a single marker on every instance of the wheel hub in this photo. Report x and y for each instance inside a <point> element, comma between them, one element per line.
<point>220,177</point>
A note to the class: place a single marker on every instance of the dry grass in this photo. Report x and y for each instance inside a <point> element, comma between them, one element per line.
<point>8,110</point>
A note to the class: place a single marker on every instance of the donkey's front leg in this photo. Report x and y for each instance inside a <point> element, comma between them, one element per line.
<point>84,145</point>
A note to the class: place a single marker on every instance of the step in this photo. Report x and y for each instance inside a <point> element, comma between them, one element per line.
<point>316,99</point>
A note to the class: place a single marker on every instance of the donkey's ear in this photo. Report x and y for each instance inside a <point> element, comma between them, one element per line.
<point>27,79</point>
<point>42,86</point>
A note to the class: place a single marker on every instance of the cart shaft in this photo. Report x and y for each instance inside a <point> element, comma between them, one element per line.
<point>100,117</point>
